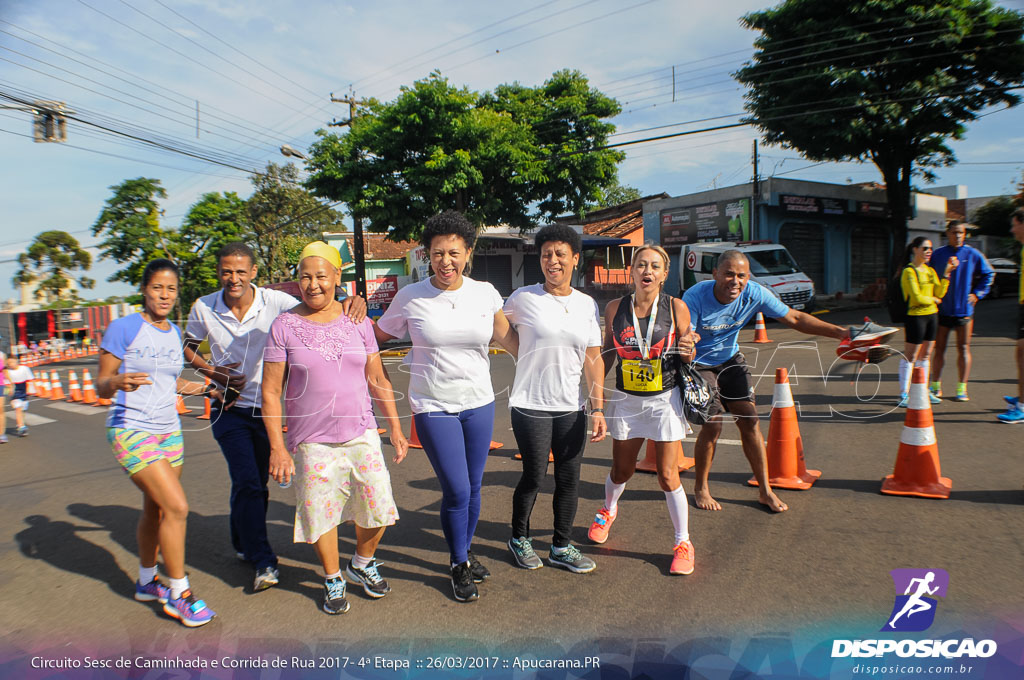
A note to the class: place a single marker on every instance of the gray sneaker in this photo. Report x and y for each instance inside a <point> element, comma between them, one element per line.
<point>522,551</point>
<point>870,330</point>
<point>3,439</point>
<point>267,577</point>
<point>573,560</point>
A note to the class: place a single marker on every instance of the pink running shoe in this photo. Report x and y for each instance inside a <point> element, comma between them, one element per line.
<point>602,525</point>
<point>682,559</point>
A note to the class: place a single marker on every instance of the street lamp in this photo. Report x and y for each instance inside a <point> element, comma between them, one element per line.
<point>357,233</point>
<point>287,150</point>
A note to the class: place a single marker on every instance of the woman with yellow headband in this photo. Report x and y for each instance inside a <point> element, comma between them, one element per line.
<point>333,450</point>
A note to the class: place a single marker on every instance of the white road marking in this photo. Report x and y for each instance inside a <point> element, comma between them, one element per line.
<point>76,408</point>
<point>33,419</point>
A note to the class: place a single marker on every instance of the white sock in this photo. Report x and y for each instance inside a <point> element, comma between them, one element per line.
<point>904,376</point>
<point>360,562</point>
<point>612,491</point>
<point>178,586</point>
<point>336,574</point>
<point>679,511</point>
<point>147,574</point>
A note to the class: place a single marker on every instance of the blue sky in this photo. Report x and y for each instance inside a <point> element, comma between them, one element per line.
<point>263,72</point>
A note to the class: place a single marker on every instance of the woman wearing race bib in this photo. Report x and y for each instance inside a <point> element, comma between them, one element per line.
<point>641,332</point>
<point>559,339</point>
<point>451,319</point>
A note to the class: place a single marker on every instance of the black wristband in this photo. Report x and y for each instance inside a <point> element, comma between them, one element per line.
<point>596,410</point>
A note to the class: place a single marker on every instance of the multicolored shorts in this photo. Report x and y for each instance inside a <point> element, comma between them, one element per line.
<point>136,450</point>
<point>337,483</point>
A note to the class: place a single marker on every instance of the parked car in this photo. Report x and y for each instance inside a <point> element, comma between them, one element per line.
<point>1007,277</point>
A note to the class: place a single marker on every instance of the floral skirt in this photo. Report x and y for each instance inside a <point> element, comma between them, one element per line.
<point>337,483</point>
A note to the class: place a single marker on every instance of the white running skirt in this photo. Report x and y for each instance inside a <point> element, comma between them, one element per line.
<point>658,418</point>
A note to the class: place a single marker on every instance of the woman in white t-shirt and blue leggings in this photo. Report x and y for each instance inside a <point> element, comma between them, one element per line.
<point>559,333</point>
<point>451,319</point>
<point>140,363</point>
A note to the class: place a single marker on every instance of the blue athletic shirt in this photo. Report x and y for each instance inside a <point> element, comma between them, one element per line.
<point>719,325</point>
<point>144,348</point>
<point>974,275</point>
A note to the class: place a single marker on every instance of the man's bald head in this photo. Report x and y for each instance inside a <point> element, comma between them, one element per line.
<point>729,256</point>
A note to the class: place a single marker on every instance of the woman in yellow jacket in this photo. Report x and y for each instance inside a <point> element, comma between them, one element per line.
<point>923,290</point>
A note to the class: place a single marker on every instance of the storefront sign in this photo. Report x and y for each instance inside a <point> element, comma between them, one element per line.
<point>812,205</point>
<point>876,210</point>
<point>380,293</point>
<point>720,221</point>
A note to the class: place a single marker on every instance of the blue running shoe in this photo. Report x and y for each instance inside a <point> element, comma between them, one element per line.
<point>1014,414</point>
<point>190,611</point>
<point>903,401</point>
<point>1012,401</point>
<point>934,399</point>
<point>154,590</point>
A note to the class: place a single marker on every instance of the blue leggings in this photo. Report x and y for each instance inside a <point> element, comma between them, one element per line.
<point>456,445</point>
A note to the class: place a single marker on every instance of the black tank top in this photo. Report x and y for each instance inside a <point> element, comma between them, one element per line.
<point>629,371</point>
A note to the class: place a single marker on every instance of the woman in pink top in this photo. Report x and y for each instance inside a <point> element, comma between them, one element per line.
<point>332,368</point>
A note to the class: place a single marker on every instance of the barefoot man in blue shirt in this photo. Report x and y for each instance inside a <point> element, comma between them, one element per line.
<point>718,310</point>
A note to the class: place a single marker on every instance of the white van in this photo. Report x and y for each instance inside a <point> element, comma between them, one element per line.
<point>771,265</point>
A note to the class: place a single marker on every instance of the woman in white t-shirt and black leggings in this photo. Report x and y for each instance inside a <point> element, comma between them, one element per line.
<point>451,319</point>
<point>559,332</point>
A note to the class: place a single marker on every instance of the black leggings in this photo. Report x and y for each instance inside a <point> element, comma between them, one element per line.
<point>564,434</point>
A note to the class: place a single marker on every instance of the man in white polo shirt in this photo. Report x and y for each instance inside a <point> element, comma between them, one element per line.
<point>236,320</point>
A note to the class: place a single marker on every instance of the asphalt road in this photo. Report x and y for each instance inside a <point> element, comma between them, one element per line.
<point>68,514</point>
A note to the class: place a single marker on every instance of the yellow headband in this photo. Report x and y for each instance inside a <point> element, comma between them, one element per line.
<point>321,249</point>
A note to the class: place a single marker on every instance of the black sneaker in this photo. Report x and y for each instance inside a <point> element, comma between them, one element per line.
<point>369,578</point>
<point>480,572</point>
<point>870,330</point>
<point>334,596</point>
<point>462,583</point>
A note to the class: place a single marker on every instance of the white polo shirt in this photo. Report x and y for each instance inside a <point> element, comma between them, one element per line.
<point>243,341</point>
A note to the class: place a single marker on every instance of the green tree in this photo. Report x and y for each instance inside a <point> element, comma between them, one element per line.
<point>214,220</point>
<point>492,156</point>
<point>280,212</point>
<point>617,195</point>
<point>993,218</point>
<point>50,260</point>
<point>885,81</point>
<point>130,226</point>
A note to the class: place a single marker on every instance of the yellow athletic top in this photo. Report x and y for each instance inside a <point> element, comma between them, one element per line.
<point>920,285</point>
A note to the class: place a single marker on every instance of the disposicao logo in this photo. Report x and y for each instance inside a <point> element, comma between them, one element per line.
<point>913,611</point>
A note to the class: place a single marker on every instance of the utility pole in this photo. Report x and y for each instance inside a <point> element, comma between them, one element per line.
<point>754,234</point>
<point>359,250</point>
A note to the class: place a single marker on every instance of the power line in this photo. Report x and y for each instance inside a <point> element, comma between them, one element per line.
<point>135,79</point>
<point>183,55</point>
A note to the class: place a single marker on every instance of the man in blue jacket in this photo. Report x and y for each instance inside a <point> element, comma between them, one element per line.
<point>967,284</point>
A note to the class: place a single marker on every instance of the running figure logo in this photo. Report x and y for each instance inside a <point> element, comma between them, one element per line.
<point>914,610</point>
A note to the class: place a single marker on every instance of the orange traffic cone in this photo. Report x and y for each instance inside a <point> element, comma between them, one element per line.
<point>181,406</point>
<point>88,391</point>
<point>760,332</point>
<point>74,390</point>
<point>917,471</point>
<point>206,405</point>
<point>56,391</point>
<point>30,388</point>
<point>495,445</point>
<point>650,461</point>
<point>786,466</point>
<point>414,438</point>
<point>43,386</point>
